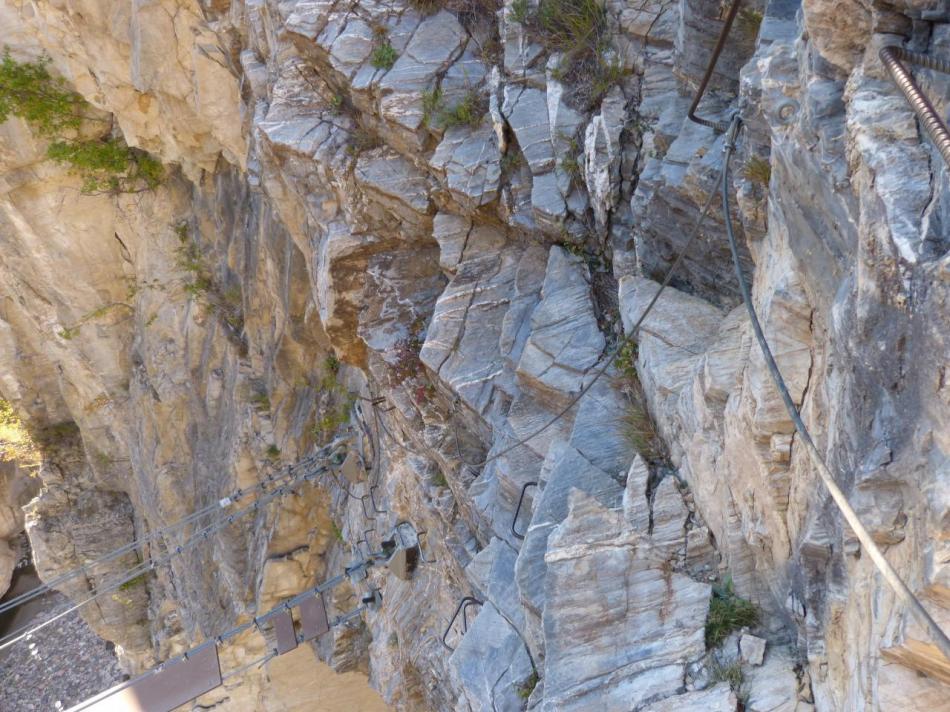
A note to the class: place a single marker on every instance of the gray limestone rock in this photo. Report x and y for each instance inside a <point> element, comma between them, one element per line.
<point>568,470</point>
<point>490,664</point>
<point>606,648</point>
<point>564,341</point>
<point>470,160</point>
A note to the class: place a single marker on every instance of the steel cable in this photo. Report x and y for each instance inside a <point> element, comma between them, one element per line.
<point>891,57</point>
<point>877,557</point>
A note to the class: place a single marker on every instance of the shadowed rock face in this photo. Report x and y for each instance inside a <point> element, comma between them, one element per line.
<point>414,227</point>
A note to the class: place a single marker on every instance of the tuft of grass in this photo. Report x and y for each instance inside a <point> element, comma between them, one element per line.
<point>758,170</point>
<point>384,55</point>
<point>362,139</point>
<point>520,11</point>
<point>439,479</point>
<point>467,111</point>
<point>606,73</point>
<point>511,161</point>
<point>749,22</point>
<point>332,364</point>
<point>272,452</point>
<point>525,690</point>
<point>336,531</point>
<point>728,612</point>
<point>261,402</point>
<point>641,433</point>
<point>571,166</point>
<point>732,674</point>
<point>427,7</point>
<point>574,27</point>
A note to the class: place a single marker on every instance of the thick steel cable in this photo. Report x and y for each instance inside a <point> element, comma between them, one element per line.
<point>890,575</point>
<point>146,566</point>
<point>710,68</point>
<point>891,57</point>
<point>139,543</point>
<point>255,622</point>
<point>608,362</point>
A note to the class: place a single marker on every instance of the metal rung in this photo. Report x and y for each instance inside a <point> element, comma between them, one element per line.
<point>514,519</point>
<point>463,609</point>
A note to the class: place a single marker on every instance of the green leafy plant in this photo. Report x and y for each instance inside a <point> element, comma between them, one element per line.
<point>626,359</point>
<point>272,452</point>
<point>728,612</point>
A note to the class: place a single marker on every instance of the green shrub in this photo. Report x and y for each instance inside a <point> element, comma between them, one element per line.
<point>384,56</point>
<point>46,103</point>
<point>727,612</point>
<point>272,452</point>
<point>27,90</point>
<point>108,166</point>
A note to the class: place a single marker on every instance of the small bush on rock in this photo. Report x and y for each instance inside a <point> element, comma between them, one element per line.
<point>728,612</point>
<point>53,110</point>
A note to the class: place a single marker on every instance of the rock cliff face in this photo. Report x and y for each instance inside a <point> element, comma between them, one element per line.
<point>424,227</point>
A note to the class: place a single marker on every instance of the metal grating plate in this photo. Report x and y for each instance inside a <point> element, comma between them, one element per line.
<point>286,635</point>
<point>163,691</point>
<point>313,617</point>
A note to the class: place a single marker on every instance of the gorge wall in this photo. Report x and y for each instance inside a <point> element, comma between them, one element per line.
<point>424,226</point>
